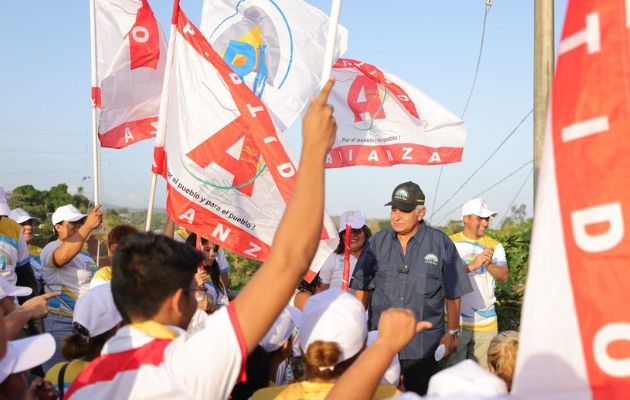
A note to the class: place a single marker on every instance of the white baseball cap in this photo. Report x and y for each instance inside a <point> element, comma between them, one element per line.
<point>281,329</point>
<point>334,316</point>
<point>4,206</point>
<point>95,310</point>
<point>354,218</point>
<point>20,216</point>
<point>9,289</point>
<point>477,207</point>
<point>66,213</point>
<point>392,375</point>
<point>466,379</point>
<point>24,354</point>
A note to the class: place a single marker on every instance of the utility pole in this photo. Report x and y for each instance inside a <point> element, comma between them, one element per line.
<point>543,73</point>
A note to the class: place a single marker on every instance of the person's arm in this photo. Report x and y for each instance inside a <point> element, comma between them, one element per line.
<point>499,272</point>
<point>362,281</point>
<point>34,308</point>
<point>396,328</point>
<point>449,341</point>
<point>364,297</point>
<point>298,234</point>
<point>169,228</point>
<point>73,245</point>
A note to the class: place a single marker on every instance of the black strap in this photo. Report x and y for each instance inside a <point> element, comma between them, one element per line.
<point>60,382</point>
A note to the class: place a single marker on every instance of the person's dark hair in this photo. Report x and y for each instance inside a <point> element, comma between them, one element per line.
<point>213,270</point>
<point>148,268</point>
<point>77,345</point>
<point>342,239</point>
<point>309,287</point>
<point>117,233</point>
<point>258,369</point>
<point>320,354</point>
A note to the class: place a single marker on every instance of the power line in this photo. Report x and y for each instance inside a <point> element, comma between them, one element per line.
<point>486,160</point>
<point>30,130</point>
<point>472,88</point>
<point>517,193</point>
<point>488,189</point>
<point>10,150</point>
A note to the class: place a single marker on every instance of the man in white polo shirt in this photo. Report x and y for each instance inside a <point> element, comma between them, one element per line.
<point>154,289</point>
<point>485,261</point>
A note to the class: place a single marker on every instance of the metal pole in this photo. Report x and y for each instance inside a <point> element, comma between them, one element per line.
<point>543,74</point>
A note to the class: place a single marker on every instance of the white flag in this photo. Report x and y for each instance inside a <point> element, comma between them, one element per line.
<point>383,120</point>
<point>228,171</point>
<point>276,47</point>
<point>131,56</point>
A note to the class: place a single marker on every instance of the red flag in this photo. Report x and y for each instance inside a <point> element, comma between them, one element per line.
<point>229,173</point>
<point>144,39</point>
<point>575,332</point>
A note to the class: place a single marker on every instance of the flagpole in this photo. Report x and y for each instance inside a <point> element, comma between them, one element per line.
<point>329,54</point>
<point>161,130</point>
<point>95,102</point>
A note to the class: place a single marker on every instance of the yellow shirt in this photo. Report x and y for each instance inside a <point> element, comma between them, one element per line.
<point>71,372</point>
<point>314,391</point>
<point>103,275</point>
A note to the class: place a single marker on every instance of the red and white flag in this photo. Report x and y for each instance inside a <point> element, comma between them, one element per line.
<point>131,55</point>
<point>276,47</point>
<point>383,120</point>
<point>229,173</point>
<point>575,330</point>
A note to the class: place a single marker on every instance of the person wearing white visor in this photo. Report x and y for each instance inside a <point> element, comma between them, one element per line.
<point>28,224</point>
<point>485,262</point>
<point>95,320</point>
<point>20,357</point>
<point>331,273</point>
<point>67,269</point>
<point>333,332</point>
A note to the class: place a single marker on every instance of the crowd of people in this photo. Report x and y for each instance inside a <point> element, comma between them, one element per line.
<point>418,318</point>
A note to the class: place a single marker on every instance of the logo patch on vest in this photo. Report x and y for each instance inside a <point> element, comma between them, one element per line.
<point>431,259</point>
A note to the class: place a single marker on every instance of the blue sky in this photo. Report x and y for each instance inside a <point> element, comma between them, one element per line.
<point>45,123</point>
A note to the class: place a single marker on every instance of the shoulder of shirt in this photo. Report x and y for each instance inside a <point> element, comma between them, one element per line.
<point>10,227</point>
<point>492,242</point>
<point>435,231</point>
<point>290,391</point>
<point>103,272</point>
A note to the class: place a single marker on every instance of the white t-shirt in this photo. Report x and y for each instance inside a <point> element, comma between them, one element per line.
<point>13,249</point>
<point>331,272</point>
<point>143,364</point>
<point>72,280</point>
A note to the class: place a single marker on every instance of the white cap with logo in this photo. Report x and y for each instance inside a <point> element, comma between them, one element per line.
<point>354,218</point>
<point>477,207</point>
<point>66,213</point>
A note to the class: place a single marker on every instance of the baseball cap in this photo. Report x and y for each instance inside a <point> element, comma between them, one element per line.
<point>477,207</point>
<point>95,311</point>
<point>66,213</point>
<point>281,329</point>
<point>4,206</point>
<point>9,289</point>
<point>334,316</point>
<point>466,379</point>
<point>24,354</point>
<point>407,196</point>
<point>354,218</point>
<point>20,216</point>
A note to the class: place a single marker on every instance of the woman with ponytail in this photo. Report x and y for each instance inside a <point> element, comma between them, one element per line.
<point>94,322</point>
<point>333,332</point>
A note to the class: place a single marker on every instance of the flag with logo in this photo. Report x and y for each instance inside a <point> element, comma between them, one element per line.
<point>131,56</point>
<point>575,329</point>
<point>276,47</point>
<point>383,120</point>
<point>229,173</point>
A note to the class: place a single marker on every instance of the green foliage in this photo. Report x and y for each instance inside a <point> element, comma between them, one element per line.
<point>42,204</point>
<point>242,269</point>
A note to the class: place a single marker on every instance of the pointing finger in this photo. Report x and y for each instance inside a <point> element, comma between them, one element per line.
<point>323,95</point>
